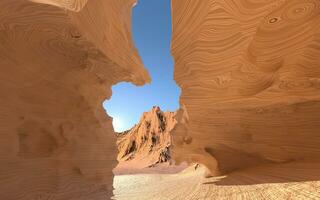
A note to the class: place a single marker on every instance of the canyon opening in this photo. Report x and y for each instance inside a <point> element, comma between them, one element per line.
<point>144,116</point>
<point>242,112</point>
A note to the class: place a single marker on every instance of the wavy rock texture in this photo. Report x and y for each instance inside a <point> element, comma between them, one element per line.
<point>250,77</point>
<point>58,60</point>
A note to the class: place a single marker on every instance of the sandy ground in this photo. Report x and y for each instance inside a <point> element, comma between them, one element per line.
<point>126,168</point>
<point>190,184</point>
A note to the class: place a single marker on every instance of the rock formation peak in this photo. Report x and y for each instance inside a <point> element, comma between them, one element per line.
<point>148,142</point>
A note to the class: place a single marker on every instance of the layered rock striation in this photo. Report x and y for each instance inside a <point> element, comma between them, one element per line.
<point>58,61</point>
<point>249,72</point>
<point>250,78</point>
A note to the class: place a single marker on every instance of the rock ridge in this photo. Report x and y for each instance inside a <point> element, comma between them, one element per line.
<point>148,143</point>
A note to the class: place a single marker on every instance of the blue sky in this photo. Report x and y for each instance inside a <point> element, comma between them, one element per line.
<point>151,24</point>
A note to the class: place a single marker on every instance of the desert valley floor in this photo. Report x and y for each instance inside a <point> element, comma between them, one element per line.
<point>190,184</point>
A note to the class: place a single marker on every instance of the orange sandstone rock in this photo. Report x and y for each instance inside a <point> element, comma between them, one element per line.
<point>148,143</point>
<point>58,61</point>
<point>250,78</point>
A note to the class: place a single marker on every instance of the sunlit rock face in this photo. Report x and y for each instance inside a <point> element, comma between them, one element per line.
<point>148,143</point>
<point>58,60</point>
<point>250,78</point>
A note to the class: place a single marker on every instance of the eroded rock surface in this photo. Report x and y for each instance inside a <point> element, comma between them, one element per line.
<point>148,143</point>
<point>58,60</point>
<point>250,78</point>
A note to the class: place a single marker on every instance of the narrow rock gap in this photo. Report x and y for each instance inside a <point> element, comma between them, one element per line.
<point>151,30</point>
<point>144,116</point>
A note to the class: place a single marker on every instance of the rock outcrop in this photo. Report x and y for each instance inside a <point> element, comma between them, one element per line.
<point>250,78</point>
<point>58,61</point>
<point>148,142</point>
<point>249,72</point>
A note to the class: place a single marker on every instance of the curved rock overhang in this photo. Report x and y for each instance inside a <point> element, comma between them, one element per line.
<point>250,78</point>
<point>58,61</point>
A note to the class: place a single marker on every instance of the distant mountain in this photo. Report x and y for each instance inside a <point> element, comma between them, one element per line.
<point>148,142</point>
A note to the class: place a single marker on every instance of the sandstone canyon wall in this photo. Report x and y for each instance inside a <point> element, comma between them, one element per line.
<point>148,143</point>
<point>249,72</point>
<point>58,60</point>
<point>250,78</point>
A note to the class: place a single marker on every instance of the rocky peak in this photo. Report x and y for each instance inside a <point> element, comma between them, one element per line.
<point>149,140</point>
